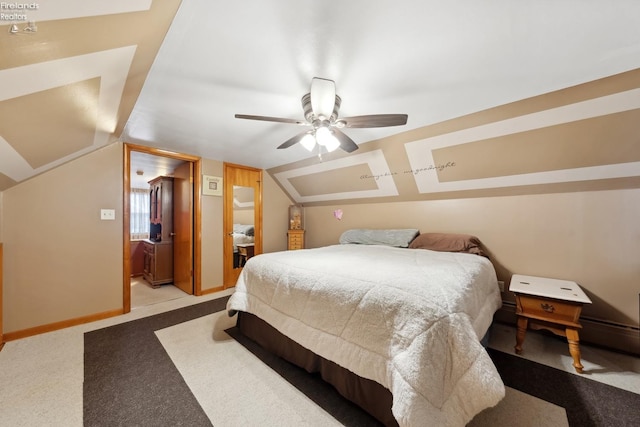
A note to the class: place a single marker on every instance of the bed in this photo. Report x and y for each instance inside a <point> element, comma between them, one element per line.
<point>395,328</point>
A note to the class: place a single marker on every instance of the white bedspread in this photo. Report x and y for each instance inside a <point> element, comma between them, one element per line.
<point>410,319</point>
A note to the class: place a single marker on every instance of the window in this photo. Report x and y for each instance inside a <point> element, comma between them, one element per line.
<point>139,213</point>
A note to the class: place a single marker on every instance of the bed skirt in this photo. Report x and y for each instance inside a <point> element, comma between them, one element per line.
<point>369,395</point>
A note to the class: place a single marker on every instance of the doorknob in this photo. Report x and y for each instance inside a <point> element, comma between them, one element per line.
<point>172,234</point>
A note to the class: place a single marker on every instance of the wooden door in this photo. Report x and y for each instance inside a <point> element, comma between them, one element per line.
<point>183,227</point>
<point>244,178</point>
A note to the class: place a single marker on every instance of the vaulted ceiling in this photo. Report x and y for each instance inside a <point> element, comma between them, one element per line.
<point>171,74</point>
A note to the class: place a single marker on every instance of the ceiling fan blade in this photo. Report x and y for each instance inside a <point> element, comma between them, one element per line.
<point>292,141</point>
<point>374,121</point>
<point>323,97</point>
<point>272,119</point>
<point>346,143</point>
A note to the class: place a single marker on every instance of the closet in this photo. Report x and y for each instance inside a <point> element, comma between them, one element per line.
<point>158,249</point>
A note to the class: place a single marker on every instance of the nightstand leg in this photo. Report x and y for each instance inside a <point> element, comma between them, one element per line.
<point>574,348</point>
<point>523,322</point>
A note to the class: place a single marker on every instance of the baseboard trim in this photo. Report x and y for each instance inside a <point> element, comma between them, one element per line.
<point>211,290</point>
<point>601,333</point>
<point>24,333</point>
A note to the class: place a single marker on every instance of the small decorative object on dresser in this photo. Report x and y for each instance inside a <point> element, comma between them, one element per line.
<point>296,217</point>
<point>550,304</point>
<point>295,235</point>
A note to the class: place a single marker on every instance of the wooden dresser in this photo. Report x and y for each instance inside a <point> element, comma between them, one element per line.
<point>295,239</point>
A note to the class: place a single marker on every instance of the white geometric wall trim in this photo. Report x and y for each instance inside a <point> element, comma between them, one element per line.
<point>377,164</point>
<point>112,66</point>
<point>421,157</point>
<point>243,205</point>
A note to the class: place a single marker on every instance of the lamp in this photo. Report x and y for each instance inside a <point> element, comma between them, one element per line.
<point>325,138</point>
<point>308,141</point>
<point>321,136</point>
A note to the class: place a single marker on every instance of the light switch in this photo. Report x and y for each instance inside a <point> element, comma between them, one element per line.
<point>107,214</point>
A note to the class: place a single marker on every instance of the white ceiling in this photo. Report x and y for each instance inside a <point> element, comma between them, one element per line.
<point>145,167</point>
<point>433,60</point>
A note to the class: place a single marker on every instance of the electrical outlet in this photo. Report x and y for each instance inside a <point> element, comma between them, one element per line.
<point>107,214</point>
<point>501,285</point>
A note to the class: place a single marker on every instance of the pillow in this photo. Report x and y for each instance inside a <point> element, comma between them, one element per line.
<point>394,237</point>
<point>247,230</point>
<point>448,242</point>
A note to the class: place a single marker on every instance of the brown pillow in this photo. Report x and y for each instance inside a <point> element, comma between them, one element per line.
<point>448,242</point>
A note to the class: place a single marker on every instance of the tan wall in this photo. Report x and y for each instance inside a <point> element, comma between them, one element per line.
<point>211,231</point>
<point>592,238</point>
<point>275,216</point>
<point>243,216</point>
<point>61,261</point>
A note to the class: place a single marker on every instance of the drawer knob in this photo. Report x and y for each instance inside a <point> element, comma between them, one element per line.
<point>547,307</point>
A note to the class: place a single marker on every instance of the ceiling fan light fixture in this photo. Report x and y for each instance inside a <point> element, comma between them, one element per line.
<point>325,137</point>
<point>323,97</point>
<point>321,106</point>
<point>308,141</point>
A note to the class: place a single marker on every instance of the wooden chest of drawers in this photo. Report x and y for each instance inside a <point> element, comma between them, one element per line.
<point>295,239</point>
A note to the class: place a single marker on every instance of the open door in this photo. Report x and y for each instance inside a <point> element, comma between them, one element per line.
<point>242,219</point>
<point>190,244</point>
<point>183,227</point>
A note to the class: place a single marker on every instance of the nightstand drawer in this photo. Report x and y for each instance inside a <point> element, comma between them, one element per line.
<point>549,309</point>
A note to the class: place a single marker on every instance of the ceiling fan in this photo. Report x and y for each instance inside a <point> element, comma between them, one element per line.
<point>321,106</point>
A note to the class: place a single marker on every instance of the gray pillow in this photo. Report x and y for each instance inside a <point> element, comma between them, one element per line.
<point>389,237</point>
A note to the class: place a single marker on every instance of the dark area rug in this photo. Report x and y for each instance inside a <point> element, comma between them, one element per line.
<point>129,380</point>
<point>587,402</point>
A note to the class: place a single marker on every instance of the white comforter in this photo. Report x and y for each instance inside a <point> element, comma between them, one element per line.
<point>410,319</point>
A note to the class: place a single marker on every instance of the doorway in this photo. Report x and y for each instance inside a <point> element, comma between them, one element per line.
<point>186,208</point>
<point>242,218</point>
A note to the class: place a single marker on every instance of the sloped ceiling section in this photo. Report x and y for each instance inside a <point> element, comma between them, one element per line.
<point>69,87</point>
<point>577,139</point>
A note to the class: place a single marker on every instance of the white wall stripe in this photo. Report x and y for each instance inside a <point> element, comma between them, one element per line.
<point>112,66</point>
<point>420,152</point>
<point>376,161</point>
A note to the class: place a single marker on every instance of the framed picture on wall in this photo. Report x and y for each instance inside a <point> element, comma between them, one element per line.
<point>211,185</point>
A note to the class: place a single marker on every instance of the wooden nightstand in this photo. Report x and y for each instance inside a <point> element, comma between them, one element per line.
<point>295,239</point>
<point>245,251</point>
<point>550,304</point>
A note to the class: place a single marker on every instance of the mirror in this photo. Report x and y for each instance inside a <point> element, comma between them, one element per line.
<point>243,225</point>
